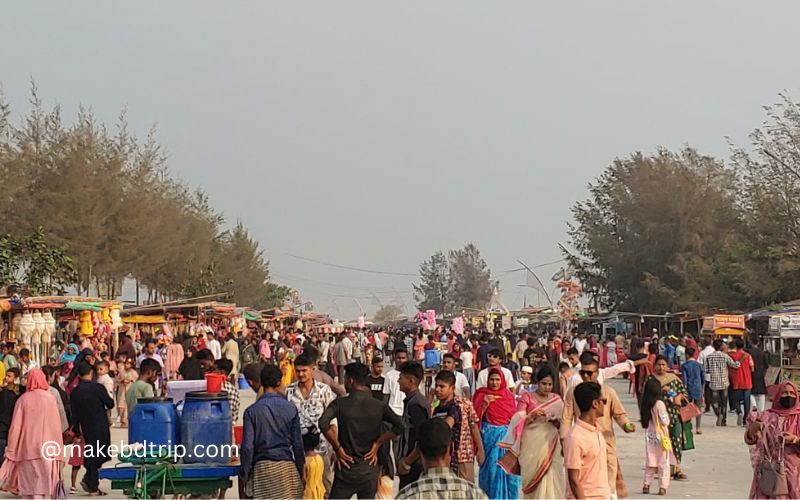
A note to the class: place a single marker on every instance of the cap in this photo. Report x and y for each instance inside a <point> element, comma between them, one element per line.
<point>527,369</point>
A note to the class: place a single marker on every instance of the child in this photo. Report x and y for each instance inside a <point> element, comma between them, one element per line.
<point>104,379</point>
<point>126,375</point>
<point>526,385</point>
<point>112,365</point>
<point>314,467</point>
<point>224,366</point>
<point>26,364</point>
<point>655,419</point>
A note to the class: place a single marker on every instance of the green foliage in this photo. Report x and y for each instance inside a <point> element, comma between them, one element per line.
<point>42,268</point>
<point>459,280</point>
<point>108,201</point>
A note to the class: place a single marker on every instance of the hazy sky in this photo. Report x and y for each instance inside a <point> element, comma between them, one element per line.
<point>372,134</point>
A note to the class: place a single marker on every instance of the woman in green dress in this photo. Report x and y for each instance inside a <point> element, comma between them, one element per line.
<point>673,394</point>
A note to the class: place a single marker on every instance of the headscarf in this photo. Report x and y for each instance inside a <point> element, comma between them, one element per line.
<point>776,401</point>
<point>80,359</point>
<point>36,381</point>
<point>500,410</point>
<point>66,357</point>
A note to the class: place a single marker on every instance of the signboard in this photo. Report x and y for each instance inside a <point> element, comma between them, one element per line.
<point>521,322</point>
<point>728,321</point>
<point>787,325</point>
<point>775,324</point>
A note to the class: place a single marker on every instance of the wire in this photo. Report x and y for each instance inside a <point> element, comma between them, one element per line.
<point>339,266</point>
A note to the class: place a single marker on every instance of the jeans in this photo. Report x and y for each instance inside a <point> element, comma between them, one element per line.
<point>742,397</point>
<point>719,400</point>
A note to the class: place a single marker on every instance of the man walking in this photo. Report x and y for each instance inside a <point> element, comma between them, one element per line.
<point>311,397</point>
<point>90,403</point>
<point>585,455</point>
<point>716,368</point>
<point>416,411</point>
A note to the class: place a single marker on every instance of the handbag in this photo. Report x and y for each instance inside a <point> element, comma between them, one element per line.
<point>666,442</point>
<point>772,482</point>
<point>689,412</point>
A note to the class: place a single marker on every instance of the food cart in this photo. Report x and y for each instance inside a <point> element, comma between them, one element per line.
<point>723,325</point>
<point>782,341</point>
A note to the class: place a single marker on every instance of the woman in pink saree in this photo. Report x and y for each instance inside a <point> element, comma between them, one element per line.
<point>533,440</point>
<point>25,471</point>
<point>776,428</point>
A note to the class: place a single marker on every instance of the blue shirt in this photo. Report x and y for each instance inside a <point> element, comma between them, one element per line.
<point>692,374</point>
<point>669,353</point>
<point>271,432</point>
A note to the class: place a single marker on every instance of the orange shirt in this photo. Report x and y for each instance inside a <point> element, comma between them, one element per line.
<point>585,450</point>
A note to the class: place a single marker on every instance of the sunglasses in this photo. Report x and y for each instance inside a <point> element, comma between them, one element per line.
<point>587,373</point>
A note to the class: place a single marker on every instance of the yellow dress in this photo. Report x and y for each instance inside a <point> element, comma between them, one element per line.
<point>312,475</point>
<point>288,372</point>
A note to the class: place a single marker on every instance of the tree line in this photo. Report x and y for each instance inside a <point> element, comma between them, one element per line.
<point>107,207</point>
<point>679,230</point>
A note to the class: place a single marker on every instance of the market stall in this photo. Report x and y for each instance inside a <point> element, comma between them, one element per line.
<point>781,342</point>
<point>723,325</point>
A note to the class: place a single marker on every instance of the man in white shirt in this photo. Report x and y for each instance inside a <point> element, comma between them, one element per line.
<point>701,358</point>
<point>519,351</point>
<point>494,357</point>
<point>392,394</point>
<point>580,342</point>
<point>212,344</point>
<point>462,384</point>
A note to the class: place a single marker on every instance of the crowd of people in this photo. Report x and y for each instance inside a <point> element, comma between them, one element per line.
<point>448,415</point>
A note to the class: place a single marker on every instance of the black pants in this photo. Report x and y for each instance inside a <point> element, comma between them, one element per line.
<point>91,477</point>
<point>719,399</point>
<point>361,489</point>
<point>413,475</point>
<point>707,396</point>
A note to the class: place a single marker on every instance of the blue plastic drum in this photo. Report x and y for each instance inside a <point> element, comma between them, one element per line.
<point>206,428</point>
<point>154,421</point>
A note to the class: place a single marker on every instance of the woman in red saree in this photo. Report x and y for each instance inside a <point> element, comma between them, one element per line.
<point>533,440</point>
<point>495,405</point>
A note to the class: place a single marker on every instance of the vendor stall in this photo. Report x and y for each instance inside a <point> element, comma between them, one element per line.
<point>723,325</point>
<point>782,342</point>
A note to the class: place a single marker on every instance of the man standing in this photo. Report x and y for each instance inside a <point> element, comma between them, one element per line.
<point>716,368</point>
<point>462,384</point>
<point>143,387</point>
<point>580,343</point>
<point>342,355</point>
<point>521,347</point>
<point>612,411</point>
<point>585,453</point>
<point>416,410</point>
<point>359,437</point>
<point>462,419</point>
<point>438,480</point>
<point>494,357</point>
<point>231,351</point>
<point>701,358</point>
<point>311,398</point>
<point>375,379</point>
<point>212,344</point>
<point>391,387</point>
<point>149,352</point>
<point>272,447</point>
<point>90,403</point>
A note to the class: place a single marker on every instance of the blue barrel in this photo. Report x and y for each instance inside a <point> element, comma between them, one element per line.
<point>154,421</point>
<point>205,427</point>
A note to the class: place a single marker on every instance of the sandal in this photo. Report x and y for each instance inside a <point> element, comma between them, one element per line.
<point>662,491</point>
<point>646,489</point>
<point>680,476</point>
<point>73,491</point>
<point>698,432</point>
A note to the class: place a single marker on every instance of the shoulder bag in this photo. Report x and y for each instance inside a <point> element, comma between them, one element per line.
<point>772,482</point>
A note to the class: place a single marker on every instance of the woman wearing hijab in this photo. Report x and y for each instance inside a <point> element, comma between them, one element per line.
<point>495,405</point>
<point>776,428</point>
<point>86,356</point>
<point>673,394</point>
<point>67,360</point>
<point>25,471</point>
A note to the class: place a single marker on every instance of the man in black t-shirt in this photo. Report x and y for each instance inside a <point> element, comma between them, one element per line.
<point>375,380</point>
